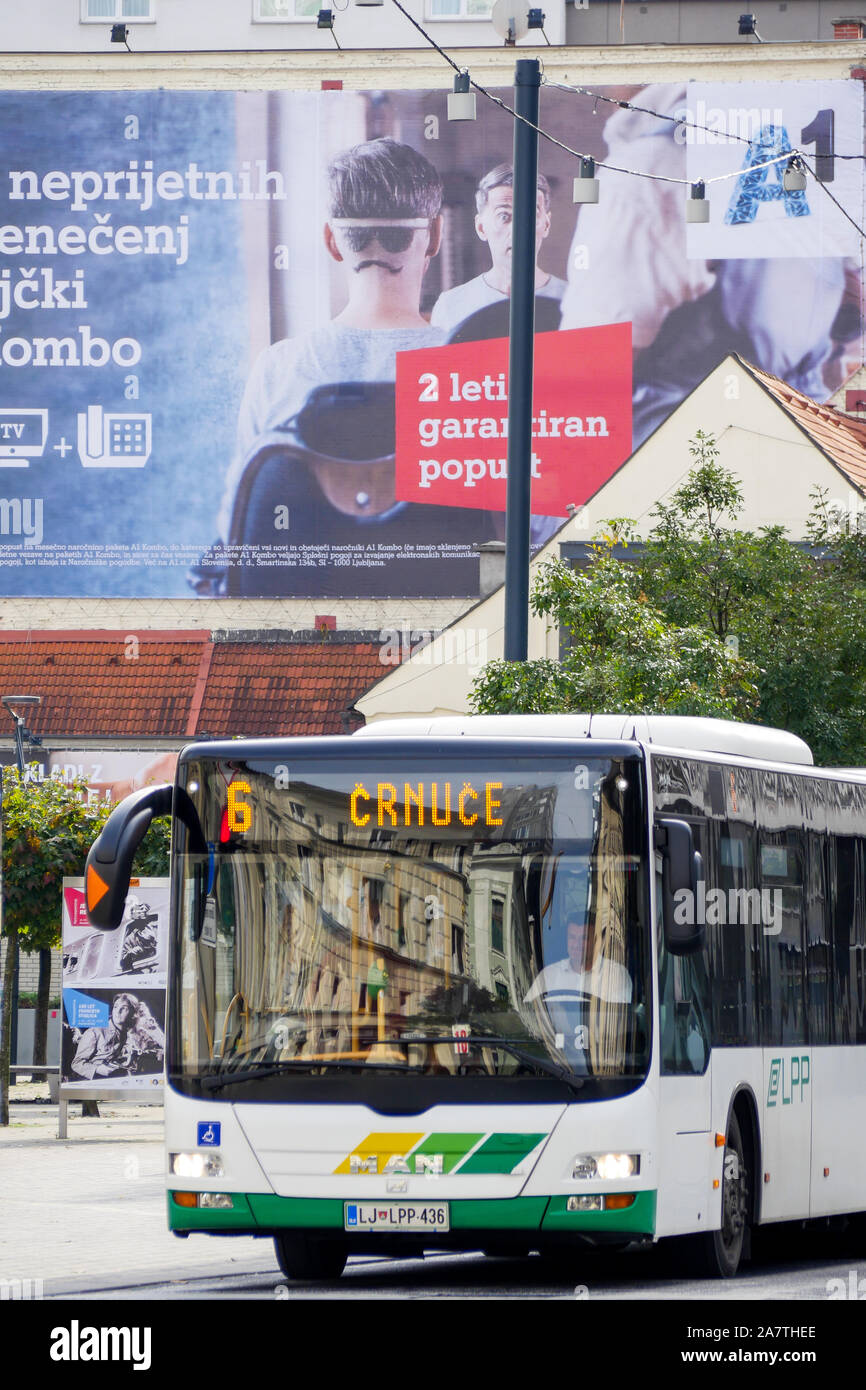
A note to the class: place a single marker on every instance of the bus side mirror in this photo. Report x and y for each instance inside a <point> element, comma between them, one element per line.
<point>109,863</point>
<point>681,870</point>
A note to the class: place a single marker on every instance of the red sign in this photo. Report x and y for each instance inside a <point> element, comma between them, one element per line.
<point>452,419</point>
<point>76,907</point>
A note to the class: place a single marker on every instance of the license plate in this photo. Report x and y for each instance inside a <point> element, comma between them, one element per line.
<point>385,1216</point>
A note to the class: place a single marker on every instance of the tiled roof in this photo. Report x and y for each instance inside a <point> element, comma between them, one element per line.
<point>97,684</point>
<point>177,685</point>
<point>286,687</point>
<point>842,439</point>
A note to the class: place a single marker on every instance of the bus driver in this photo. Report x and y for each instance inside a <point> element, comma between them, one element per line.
<point>583,971</point>
<point>565,987</point>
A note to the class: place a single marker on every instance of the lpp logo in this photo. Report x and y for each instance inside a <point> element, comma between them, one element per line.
<point>789,1078</point>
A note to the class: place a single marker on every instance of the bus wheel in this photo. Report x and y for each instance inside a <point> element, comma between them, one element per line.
<point>725,1247</point>
<point>310,1257</point>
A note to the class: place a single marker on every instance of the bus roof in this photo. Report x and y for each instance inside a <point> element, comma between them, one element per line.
<point>671,731</point>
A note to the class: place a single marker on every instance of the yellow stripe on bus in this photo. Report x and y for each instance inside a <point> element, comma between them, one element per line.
<point>383,1146</point>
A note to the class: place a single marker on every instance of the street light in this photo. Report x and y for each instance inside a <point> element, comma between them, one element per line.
<point>510,22</point>
<point>21,731</point>
<point>527,81</point>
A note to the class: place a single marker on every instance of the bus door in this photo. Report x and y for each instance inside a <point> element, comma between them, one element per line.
<point>787,1058</point>
<point>684,1084</point>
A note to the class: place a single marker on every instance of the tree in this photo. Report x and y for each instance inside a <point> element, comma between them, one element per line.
<point>708,619</point>
<point>48,828</point>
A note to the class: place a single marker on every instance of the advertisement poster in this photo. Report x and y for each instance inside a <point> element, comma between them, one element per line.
<point>114,987</point>
<point>255,344</point>
<point>109,774</point>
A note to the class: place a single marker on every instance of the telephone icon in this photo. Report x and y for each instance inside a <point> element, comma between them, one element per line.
<point>113,441</point>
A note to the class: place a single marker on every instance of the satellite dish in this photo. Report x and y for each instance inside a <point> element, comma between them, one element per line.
<point>510,19</point>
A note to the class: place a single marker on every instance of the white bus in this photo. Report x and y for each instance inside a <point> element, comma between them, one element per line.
<point>509,983</point>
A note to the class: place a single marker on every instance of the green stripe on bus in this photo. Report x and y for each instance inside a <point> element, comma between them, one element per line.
<point>638,1219</point>
<point>452,1147</point>
<point>238,1218</point>
<point>501,1153</point>
<point>256,1212</point>
<point>326,1213</point>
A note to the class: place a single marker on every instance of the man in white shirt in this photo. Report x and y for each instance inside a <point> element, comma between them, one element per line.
<point>494,198</point>
<point>583,971</point>
<point>566,988</point>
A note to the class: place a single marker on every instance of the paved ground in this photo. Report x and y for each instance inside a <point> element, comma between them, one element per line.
<point>89,1211</point>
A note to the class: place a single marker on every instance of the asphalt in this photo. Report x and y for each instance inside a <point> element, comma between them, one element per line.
<point>87,1213</point>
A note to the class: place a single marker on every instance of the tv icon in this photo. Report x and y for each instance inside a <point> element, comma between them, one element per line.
<point>22,436</point>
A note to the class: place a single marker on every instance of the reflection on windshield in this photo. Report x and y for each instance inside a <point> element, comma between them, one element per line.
<point>340,924</point>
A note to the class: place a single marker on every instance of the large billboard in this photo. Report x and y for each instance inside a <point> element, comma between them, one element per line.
<point>255,344</point>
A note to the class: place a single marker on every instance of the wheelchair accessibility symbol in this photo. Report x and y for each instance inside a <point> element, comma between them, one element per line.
<point>207,1134</point>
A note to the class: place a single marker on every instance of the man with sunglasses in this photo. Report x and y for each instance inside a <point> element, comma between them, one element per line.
<point>383,229</point>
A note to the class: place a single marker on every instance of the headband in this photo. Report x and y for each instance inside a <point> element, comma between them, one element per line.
<point>416,223</point>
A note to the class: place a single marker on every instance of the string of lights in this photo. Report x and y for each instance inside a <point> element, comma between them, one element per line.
<point>643,110</point>
<point>663,116</point>
<point>833,199</point>
<point>464,80</point>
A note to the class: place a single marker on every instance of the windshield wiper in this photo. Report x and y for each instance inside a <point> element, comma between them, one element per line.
<point>226,1076</point>
<point>543,1064</point>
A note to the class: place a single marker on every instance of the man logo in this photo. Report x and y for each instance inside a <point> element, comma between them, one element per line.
<point>431,1165</point>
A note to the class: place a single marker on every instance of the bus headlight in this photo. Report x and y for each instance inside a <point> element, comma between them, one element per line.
<point>606,1166</point>
<point>584,1204</point>
<point>196,1165</point>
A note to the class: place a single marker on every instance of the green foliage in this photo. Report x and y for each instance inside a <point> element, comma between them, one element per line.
<point>48,828</point>
<point>709,620</point>
<point>29,999</point>
<point>152,856</point>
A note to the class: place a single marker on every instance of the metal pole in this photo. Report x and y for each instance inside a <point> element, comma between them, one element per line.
<point>13,1046</point>
<point>527,80</point>
<point>5,1077</point>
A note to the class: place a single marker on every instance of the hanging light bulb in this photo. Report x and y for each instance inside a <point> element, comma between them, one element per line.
<point>461,102</point>
<point>586,184</point>
<point>794,177</point>
<point>697,206</point>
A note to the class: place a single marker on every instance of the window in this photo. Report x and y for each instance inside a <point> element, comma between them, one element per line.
<point>458,947</point>
<point>497,913</point>
<point>459,9</point>
<point>781,861</point>
<point>284,11</point>
<point>92,10</point>
<point>403,908</point>
<point>819,946</point>
<point>684,995</point>
<point>732,940</point>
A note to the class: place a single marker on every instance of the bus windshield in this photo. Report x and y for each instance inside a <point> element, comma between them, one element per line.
<point>484,918</point>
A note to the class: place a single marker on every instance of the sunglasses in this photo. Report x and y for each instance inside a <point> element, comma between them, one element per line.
<point>392,239</point>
